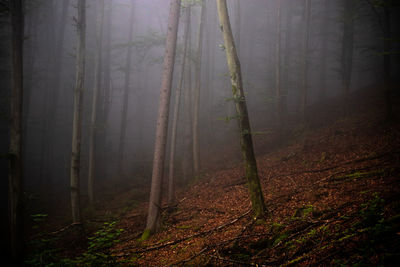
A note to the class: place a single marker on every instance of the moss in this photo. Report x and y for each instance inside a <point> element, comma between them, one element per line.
<point>146,234</point>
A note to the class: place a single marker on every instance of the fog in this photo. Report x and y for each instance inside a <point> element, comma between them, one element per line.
<point>344,48</point>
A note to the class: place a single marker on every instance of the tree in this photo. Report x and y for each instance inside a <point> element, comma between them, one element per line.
<point>95,99</point>
<point>196,152</point>
<point>15,176</point>
<point>78,108</point>
<point>178,92</point>
<point>324,51</point>
<point>127,88</point>
<point>246,142</point>
<point>347,49</point>
<point>384,19</point>
<point>278,89</point>
<point>306,37</point>
<point>153,217</point>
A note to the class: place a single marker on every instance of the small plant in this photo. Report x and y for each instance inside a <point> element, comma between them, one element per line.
<point>99,244</point>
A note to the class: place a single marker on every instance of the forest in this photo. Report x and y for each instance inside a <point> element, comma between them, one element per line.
<point>200,132</point>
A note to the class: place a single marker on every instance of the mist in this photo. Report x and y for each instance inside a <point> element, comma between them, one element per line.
<point>310,71</point>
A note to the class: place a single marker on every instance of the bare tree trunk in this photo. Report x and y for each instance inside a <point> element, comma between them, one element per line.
<point>171,178</point>
<point>127,88</point>
<point>278,90</point>
<point>347,51</point>
<point>238,22</point>
<point>324,52</point>
<point>55,88</point>
<point>104,97</point>
<point>153,217</point>
<point>187,162</point>
<point>246,142</point>
<point>78,108</point>
<point>95,99</point>
<point>386,61</point>
<point>15,176</point>
<point>196,147</point>
<point>304,87</point>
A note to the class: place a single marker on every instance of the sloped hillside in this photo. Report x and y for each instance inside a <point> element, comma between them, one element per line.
<point>332,197</point>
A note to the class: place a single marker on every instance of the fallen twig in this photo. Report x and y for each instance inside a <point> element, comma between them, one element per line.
<point>191,258</point>
<point>191,236</point>
<point>65,228</point>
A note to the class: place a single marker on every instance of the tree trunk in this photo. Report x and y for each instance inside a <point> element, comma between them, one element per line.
<point>278,90</point>
<point>196,147</point>
<point>15,176</point>
<point>127,88</point>
<point>386,61</point>
<point>105,100</point>
<point>304,87</point>
<point>324,52</point>
<point>246,142</point>
<point>95,99</point>
<point>187,162</point>
<point>171,178</point>
<point>78,109</point>
<point>347,51</point>
<point>237,25</point>
<point>153,218</point>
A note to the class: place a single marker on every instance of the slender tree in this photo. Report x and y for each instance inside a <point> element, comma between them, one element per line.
<point>324,51</point>
<point>171,178</point>
<point>387,53</point>
<point>78,108</point>
<point>95,99</point>
<point>278,89</point>
<point>15,177</point>
<point>187,162</point>
<point>246,142</point>
<point>304,83</point>
<point>127,88</point>
<point>347,50</point>
<point>153,217</point>
<point>197,89</point>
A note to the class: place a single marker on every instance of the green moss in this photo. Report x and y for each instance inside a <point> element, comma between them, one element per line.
<point>146,234</point>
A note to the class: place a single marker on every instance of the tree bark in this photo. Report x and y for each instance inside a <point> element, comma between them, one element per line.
<point>95,100</point>
<point>127,88</point>
<point>347,51</point>
<point>171,178</point>
<point>15,176</point>
<point>386,60</point>
<point>196,147</point>
<point>78,109</point>
<point>304,87</point>
<point>324,52</point>
<point>246,142</point>
<point>278,89</point>
<point>153,218</point>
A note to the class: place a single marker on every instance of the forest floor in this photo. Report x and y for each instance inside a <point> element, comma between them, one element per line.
<point>332,195</point>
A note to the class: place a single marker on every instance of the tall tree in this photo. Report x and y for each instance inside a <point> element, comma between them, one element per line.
<point>78,108</point>
<point>127,89</point>
<point>171,178</point>
<point>95,98</point>
<point>324,51</point>
<point>197,89</point>
<point>278,89</point>
<point>15,178</point>
<point>246,142</point>
<point>187,162</point>
<point>387,35</point>
<point>347,49</point>
<point>153,217</point>
<point>384,18</point>
<point>304,83</point>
